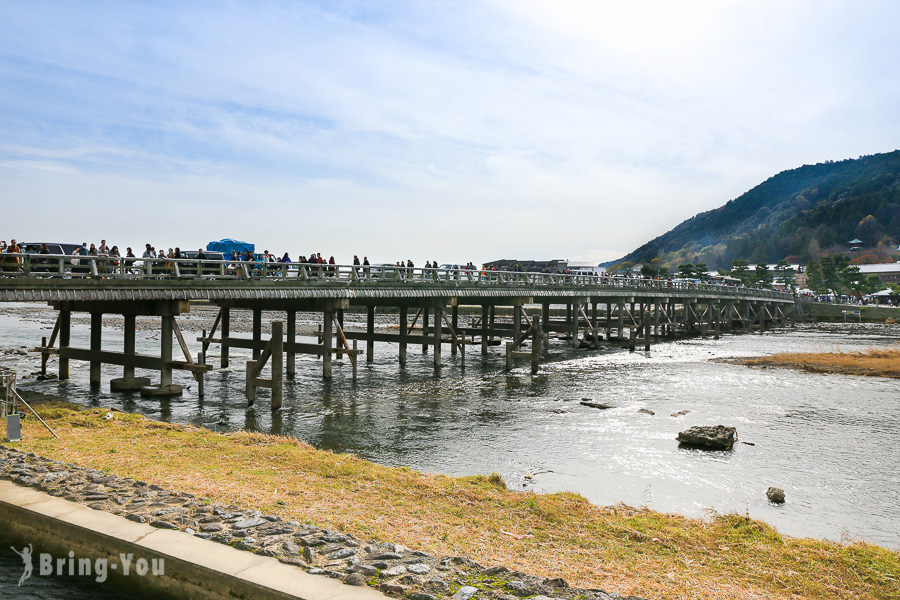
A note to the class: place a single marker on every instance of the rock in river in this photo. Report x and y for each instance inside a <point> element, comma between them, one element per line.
<point>717,437</point>
<point>775,495</point>
<point>593,404</point>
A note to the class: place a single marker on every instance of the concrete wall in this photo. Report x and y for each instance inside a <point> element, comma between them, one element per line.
<point>194,568</point>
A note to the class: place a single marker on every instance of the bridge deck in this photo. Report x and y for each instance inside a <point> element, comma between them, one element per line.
<point>55,278</point>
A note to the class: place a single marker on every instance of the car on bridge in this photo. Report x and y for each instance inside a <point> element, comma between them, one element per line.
<point>190,268</point>
<point>54,247</point>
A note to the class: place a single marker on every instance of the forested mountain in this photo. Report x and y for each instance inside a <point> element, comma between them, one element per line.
<point>796,215</point>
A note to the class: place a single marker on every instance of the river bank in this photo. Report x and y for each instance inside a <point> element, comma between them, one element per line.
<point>873,362</point>
<point>471,416</point>
<point>619,548</point>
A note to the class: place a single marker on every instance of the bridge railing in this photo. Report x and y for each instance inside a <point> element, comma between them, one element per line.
<point>44,266</point>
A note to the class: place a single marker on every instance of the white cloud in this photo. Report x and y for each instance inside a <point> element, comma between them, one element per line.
<point>559,129</point>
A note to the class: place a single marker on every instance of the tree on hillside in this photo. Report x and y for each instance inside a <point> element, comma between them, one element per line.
<point>701,271</point>
<point>647,270</point>
<point>830,276</point>
<point>740,269</point>
<point>763,276</point>
<point>814,280</point>
<point>785,274</point>
<point>857,283</point>
<point>686,270</point>
<point>869,231</point>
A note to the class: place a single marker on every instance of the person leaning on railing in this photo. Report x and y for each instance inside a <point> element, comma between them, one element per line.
<point>10,264</point>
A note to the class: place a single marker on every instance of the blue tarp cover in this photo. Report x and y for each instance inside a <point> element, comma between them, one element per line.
<point>227,245</point>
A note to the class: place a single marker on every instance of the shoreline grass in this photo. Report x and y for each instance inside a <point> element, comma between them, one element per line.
<point>619,548</point>
<point>873,362</point>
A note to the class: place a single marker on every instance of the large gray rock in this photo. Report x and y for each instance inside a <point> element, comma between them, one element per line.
<point>775,495</point>
<point>464,593</point>
<point>717,437</point>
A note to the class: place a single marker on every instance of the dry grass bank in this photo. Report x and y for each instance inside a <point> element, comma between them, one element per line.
<point>623,549</point>
<point>876,362</point>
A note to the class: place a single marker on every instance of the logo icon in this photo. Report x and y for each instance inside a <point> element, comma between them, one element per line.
<point>26,558</point>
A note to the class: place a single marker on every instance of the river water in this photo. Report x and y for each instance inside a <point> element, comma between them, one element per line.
<point>53,586</point>
<point>831,442</point>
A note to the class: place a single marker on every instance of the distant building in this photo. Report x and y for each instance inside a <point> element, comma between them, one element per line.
<point>530,266</point>
<point>586,268</point>
<point>889,273</point>
<point>855,245</point>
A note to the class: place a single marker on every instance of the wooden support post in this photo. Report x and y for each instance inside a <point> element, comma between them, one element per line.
<point>437,336</point>
<point>327,339</point>
<point>96,332</point>
<point>201,359</point>
<point>646,324</point>
<point>656,319</point>
<point>688,320</point>
<point>485,310</point>
<point>128,372</point>
<point>454,325</point>
<point>165,351</point>
<point>545,313</point>
<point>65,332</point>
<point>536,338</point>
<point>355,359</point>
<point>492,321</point>
<point>212,334</point>
<point>424,328</point>
<point>250,382</point>
<point>608,319</point>
<point>620,307</point>
<point>517,320</point>
<point>370,331</point>
<point>573,316</point>
<point>673,324</point>
<point>718,322</point>
<point>277,364</point>
<point>291,340</point>
<point>257,331</point>
<point>226,332</point>
<point>403,310</point>
<point>46,355</point>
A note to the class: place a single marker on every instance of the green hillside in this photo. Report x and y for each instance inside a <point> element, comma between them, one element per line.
<point>796,215</point>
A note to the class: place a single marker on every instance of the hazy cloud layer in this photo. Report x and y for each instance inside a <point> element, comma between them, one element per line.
<point>446,130</point>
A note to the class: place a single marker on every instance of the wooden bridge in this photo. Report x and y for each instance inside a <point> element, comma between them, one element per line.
<point>620,309</point>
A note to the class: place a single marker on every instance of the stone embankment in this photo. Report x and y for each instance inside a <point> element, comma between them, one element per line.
<point>393,569</point>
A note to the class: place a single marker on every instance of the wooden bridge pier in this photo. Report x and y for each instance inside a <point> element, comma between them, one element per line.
<point>128,358</point>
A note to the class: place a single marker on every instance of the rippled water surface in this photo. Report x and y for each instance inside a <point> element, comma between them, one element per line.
<point>831,442</point>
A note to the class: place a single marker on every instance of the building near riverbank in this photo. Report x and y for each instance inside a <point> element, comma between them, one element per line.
<point>888,272</point>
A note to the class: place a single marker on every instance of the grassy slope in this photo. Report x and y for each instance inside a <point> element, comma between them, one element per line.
<point>623,549</point>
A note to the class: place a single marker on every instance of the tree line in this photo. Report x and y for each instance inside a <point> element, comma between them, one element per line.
<point>831,274</point>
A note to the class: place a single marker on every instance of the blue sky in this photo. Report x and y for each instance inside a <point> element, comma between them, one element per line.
<point>447,130</point>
